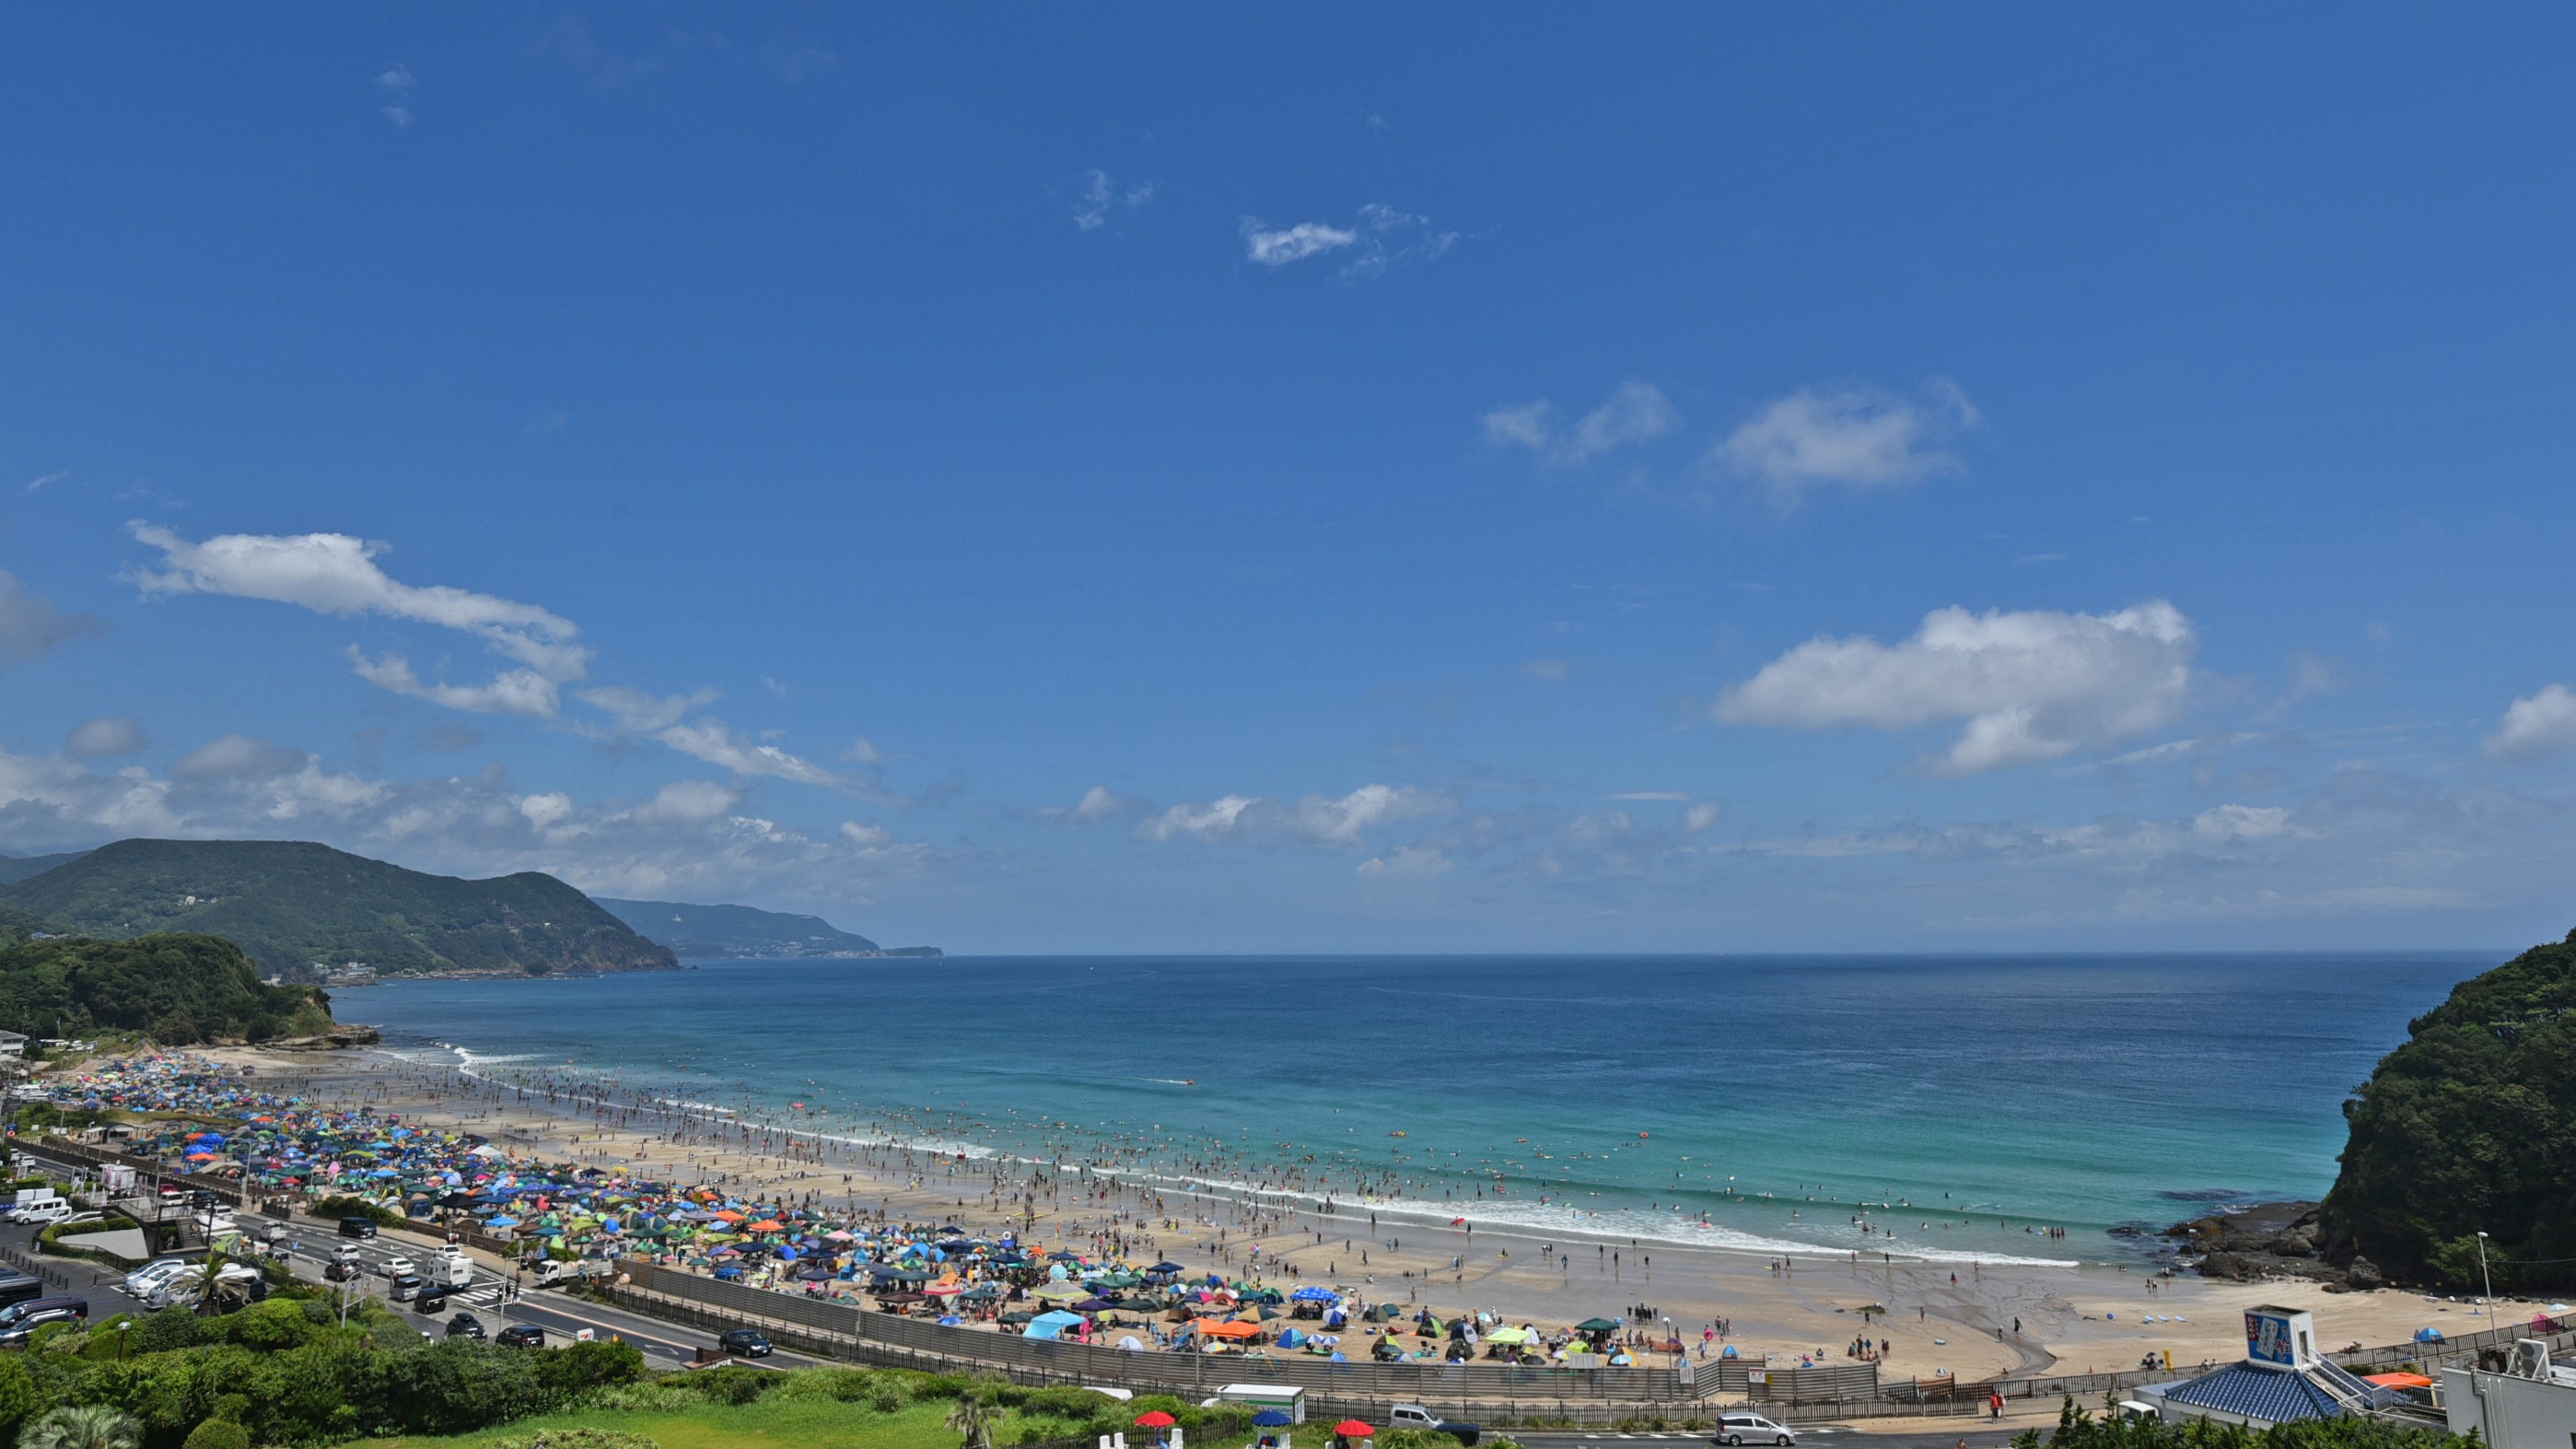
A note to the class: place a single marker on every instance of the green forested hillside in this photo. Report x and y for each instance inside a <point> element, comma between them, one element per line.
<point>736,930</point>
<point>178,989</point>
<point>17,925</point>
<point>295,905</point>
<point>19,867</point>
<point>2471,1127</point>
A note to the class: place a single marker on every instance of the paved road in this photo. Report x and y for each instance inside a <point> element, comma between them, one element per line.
<point>1838,1435</point>
<point>313,1244</point>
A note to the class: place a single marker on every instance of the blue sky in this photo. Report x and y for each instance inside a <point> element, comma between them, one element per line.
<point>1677,478</point>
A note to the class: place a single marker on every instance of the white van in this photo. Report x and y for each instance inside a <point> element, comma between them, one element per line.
<point>1735,1429</point>
<point>43,1214</point>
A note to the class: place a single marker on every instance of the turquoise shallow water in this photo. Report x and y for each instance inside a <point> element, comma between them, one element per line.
<point>1617,1096</point>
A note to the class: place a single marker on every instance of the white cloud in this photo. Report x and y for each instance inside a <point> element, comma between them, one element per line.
<point>1635,412</point>
<point>1857,438</point>
<point>712,741</point>
<point>1548,671</point>
<point>1280,246</point>
<point>1407,863</point>
<point>1097,804</point>
<point>2029,686</point>
<point>1700,816</point>
<point>37,484</point>
<point>870,837</point>
<point>335,573</point>
<point>547,810</point>
<point>106,737</point>
<point>1315,819</point>
<point>689,800</point>
<point>2241,822</point>
<point>31,625</point>
<point>512,691</point>
<point>2536,726</point>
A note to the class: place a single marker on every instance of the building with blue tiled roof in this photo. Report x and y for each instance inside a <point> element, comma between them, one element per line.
<point>2282,1378</point>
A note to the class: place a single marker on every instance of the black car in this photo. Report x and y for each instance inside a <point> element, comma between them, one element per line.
<point>744,1343</point>
<point>431,1303</point>
<point>465,1325</point>
<point>357,1227</point>
<point>521,1335</point>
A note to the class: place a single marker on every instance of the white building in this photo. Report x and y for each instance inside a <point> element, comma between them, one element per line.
<point>13,1045</point>
<point>2529,1406</point>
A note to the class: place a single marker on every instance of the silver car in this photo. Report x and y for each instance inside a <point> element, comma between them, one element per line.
<point>1751,1429</point>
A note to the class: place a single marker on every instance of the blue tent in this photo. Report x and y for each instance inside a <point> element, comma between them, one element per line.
<point>1049,1325</point>
<point>1314,1295</point>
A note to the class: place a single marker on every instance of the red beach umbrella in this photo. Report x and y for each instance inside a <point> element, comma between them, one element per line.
<point>1353,1429</point>
<point>1156,1419</point>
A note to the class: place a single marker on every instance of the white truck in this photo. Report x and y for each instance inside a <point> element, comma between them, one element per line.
<point>1414,1416</point>
<point>551,1273</point>
<point>452,1268</point>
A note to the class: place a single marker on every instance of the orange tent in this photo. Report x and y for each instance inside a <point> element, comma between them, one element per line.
<point>729,1215</point>
<point>767,1225</point>
<point>2400,1381</point>
<point>1223,1328</point>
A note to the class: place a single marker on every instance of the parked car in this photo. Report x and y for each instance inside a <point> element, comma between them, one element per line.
<point>357,1227</point>
<point>17,1288</point>
<point>465,1325</point>
<point>19,1320</point>
<point>744,1343</point>
<point>1414,1416</point>
<point>151,1275</point>
<point>1735,1429</point>
<point>405,1286</point>
<point>521,1335</point>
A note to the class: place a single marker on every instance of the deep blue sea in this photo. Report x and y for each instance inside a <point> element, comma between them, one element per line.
<point>1624,1096</point>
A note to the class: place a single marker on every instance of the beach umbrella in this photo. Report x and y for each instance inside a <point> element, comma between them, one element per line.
<point>1353,1429</point>
<point>1271,1419</point>
<point>1155,1419</point>
<point>1597,1325</point>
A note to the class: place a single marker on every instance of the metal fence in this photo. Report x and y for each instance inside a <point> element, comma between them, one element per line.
<point>845,1330</point>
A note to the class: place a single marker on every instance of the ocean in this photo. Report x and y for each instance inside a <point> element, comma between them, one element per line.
<point>1747,1102</point>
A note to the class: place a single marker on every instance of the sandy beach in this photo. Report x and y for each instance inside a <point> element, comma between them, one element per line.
<point>1967,1320</point>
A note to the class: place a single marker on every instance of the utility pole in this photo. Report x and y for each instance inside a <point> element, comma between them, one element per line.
<point>2486,1281</point>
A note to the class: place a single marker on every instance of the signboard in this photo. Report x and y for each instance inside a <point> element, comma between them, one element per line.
<point>1757,1376</point>
<point>2267,1339</point>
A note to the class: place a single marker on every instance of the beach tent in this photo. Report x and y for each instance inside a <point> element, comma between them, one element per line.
<point>1228,1328</point>
<point>1050,1325</point>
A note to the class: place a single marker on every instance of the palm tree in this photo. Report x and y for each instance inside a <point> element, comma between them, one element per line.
<point>90,1426</point>
<point>215,1292</point>
<point>974,1416</point>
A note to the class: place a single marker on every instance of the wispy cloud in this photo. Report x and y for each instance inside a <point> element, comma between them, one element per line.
<point>1381,237</point>
<point>1633,413</point>
<point>1858,438</point>
<point>36,485</point>
<point>394,88</point>
<point>30,624</point>
<point>335,573</point>
<point>1101,198</point>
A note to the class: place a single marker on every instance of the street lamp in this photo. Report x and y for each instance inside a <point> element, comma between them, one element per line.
<point>2486,1282</point>
<point>122,1326</point>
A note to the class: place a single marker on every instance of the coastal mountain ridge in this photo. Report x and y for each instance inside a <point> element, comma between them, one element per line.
<point>20,867</point>
<point>179,990</point>
<point>723,931</point>
<point>299,909</point>
<point>2469,1130</point>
